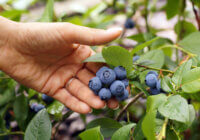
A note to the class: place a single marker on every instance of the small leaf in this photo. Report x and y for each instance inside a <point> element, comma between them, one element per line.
<point>140,86</point>
<point>142,37</point>
<point>123,133</point>
<point>92,134</point>
<point>171,8</point>
<point>39,128</point>
<point>191,81</point>
<point>191,43</point>
<point>177,77</point>
<point>95,58</point>
<point>166,84</point>
<point>142,46</point>
<point>175,108</point>
<point>48,12</point>
<point>118,56</point>
<point>108,126</point>
<point>153,56</point>
<point>55,108</point>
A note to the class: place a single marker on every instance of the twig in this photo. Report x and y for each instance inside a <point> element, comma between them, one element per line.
<point>133,100</point>
<point>196,15</point>
<point>12,133</point>
<point>147,67</point>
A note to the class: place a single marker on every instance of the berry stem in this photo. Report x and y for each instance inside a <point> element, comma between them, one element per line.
<point>12,133</point>
<point>133,100</point>
<point>147,67</point>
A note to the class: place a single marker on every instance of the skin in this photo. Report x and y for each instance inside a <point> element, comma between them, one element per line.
<point>47,57</point>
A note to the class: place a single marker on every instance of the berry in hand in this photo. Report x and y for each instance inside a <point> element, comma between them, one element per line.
<point>117,88</point>
<point>124,96</point>
<point>129,24</point>
<point>120,72</point>
<point>98,74</point>
<point>107,76</point>
<point>105,94</point>
<point>153,72</point>
<point>151,80</point>
<point>135,58</point>
<point>126,82</point>
<point>95,84</point>
<point>46,98</point>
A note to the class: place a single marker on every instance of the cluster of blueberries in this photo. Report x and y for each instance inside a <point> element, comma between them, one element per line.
<point>129,24</point>
<point>110,83</point>
<point>37,107</point>
<point>153,82</point>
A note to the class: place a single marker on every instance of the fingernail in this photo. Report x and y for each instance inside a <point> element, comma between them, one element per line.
<point>115,29</point>
<point>91,111</point>
<point>116,108</point>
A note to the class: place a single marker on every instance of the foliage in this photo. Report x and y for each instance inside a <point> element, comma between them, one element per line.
<point>165,116</point>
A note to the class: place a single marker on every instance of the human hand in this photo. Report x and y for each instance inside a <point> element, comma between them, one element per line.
<point>48,58</point>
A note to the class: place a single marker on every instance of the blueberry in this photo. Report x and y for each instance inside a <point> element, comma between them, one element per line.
<point>154,91</point>
<point>135,58</point>
<point>95,84</point>
<point>117,88</point>
<point>153,72</point>
<point>46,98</point>
<point>129,24</point>
<point>33,106</point>
<point>107,76</point>
<point>126,82</point>
<point>98,74</point>
<point>120,72</point>
<point>38,107</point>
<point>123,97</point>
<point>151,80</point>
<point>105,94</point>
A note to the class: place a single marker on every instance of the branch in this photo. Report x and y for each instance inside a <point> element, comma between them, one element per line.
<point>147,67</point>
<point>12,133</point>
<point>196,15</point>
<point>133,100</point>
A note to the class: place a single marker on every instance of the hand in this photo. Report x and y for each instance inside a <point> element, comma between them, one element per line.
<point>48,58</point>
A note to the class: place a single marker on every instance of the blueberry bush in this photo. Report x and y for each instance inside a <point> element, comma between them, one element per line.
<point>154,75</point>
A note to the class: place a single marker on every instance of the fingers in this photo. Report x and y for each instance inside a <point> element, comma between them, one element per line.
<point>88,36</point>
<point>71,102</point>
<point>113,103</point>
<point>83,93</point>
<point>84,76</point>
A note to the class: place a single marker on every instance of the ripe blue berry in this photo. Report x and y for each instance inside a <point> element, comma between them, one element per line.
<point>126,82</point>
<point>105,94</point>
<point>98,74</point>
<point>120,72</point>
<point>129,24</point>
<point>95,84</point>
<point>33,105</point>
<point>124,96</point>
<point>151,80</point>
<point>117,88</point>
<point>135,58</point>
<point>153,72</point>
<point>107,76</point>
<point>38,107</point>
<point>46,98</point>
<point>154,91</point>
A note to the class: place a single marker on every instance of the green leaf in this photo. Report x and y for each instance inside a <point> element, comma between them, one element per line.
<point>108,126</point>
<point>13,14</point>
<point>39,128</point>
<point>123,133</point>
<point>153,56</point>
<point>55,108</point>
<point>7,96</point>
<point>175,108</point>
<point>172,8</point>
<point>177,77</point>
<point>192,115</point>
<point>142,46</point>
<point>48,12</point>
<point>171,134</point>
<point>2,124</point>
<point>191,81</point>
<point>142,37</point>
<point>95,58</point>
<point>191,43</point>
<point>21,110</point>
<point>166,84</point>
<point>118,56</point>
<point>186,26</point>
<point>140,87</point>
<point>92,134</point>
<point>149,122</point>
<point>138,134</point>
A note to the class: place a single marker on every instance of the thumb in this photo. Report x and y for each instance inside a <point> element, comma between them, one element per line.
<point>90,36</point>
